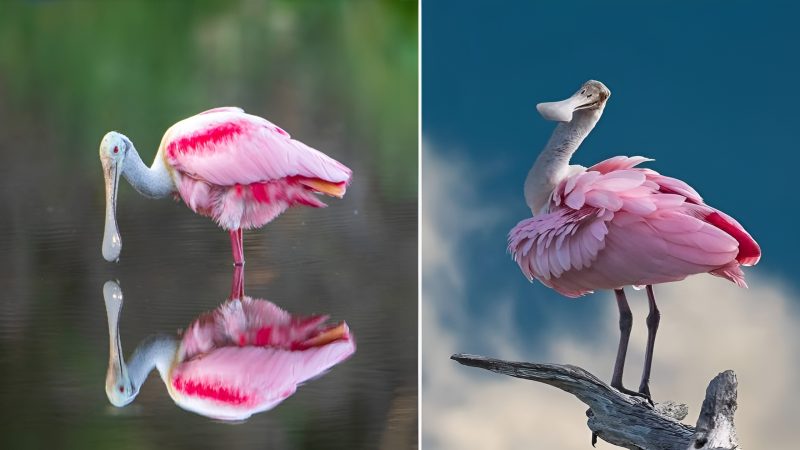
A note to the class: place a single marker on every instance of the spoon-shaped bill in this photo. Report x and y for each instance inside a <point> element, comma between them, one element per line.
<point>560,111</point>
<point>556,111</point>
<point>117,375</point>
<point>112,243</point>
<point>112,295</point>
<point>592,95</point>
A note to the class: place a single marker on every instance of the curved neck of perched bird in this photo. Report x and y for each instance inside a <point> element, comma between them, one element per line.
<point>553,162</point>
<point>152,182</point>
<point>157,351</point>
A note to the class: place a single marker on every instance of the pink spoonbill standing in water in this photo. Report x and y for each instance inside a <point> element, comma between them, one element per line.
<point>238,169</point>
<point>244,357</point>
<point>615,224</point>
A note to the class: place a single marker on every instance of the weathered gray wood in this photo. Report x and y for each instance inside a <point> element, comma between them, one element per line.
<point>715,428</point>
<point>626,421</point>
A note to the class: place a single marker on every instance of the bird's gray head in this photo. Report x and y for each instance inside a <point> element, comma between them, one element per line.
<point>113,149</point>
<point>590,98</point>
<point>119,389</point>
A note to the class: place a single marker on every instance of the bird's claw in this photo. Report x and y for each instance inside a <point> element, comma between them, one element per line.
<point>645,391</point>
<point>644,395</point>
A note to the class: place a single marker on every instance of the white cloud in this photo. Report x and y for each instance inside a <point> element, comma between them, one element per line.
<point>707,326</point>
<point>449,186</point>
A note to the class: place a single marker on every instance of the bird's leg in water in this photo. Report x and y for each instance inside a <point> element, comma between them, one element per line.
<point>237,247</point>
<point>625,325</point>
<point>237,284</point>
<point>652,327</point>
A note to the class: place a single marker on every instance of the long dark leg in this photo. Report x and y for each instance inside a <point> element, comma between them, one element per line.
<point>653,320</point>
<point>625,325</point>
<point>237,247</point>
<point>237,284</point>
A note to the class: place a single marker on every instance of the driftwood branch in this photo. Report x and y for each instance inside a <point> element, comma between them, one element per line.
<point>631,422</point>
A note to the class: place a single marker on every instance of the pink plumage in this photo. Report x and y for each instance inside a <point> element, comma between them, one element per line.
<point>615,224</point>
<point>243,171</point>
<point>249,355</point>
<point>239,169</point>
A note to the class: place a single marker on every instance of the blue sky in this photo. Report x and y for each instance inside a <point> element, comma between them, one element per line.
<point>709,91</point>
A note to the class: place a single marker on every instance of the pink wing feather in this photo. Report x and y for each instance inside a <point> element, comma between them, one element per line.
<point>249,322</point>
<point>243,171</point>
<point>615,225</point>
<point>226,146</point>
<point>249,355</point>
<point>246,380</point>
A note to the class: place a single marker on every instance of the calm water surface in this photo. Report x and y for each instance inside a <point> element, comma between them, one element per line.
<point>355,260</point>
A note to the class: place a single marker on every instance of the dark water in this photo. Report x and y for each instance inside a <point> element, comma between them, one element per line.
<point>340,78</point>
<point>354,261</point>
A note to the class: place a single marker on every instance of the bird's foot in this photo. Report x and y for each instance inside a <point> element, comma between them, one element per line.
<point>644,395</point>
<point>644,389</point>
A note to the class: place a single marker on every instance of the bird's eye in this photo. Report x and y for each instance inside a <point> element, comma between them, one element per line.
<point>116,150</point>
<point>121,389</point>
<point>583,90</point>
<point>590,95</point>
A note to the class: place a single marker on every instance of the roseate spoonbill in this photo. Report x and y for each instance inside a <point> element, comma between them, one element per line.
<point>243,358</point>
<point>615,225</point>
<point>241,170</point>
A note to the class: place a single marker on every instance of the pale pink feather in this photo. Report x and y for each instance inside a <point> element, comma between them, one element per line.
<point>248,355</point>
<point>615,225</point>
<point>242,170</point>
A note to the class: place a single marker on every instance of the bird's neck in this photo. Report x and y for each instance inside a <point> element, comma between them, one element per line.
<point>154,181</point>
<point>157,351</point>
<point>552,164</point>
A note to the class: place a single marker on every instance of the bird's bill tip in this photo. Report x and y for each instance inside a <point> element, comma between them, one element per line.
<point>112,243</point>
<point>556,111</point>
<point>111,289</point>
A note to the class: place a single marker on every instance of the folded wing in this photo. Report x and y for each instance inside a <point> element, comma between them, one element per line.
<point>614,225</point>
<point>226,147</point>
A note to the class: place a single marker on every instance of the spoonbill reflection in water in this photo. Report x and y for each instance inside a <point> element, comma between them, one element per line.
<point>238,169</point>
<point>615,225</point>
<point>245,357</point>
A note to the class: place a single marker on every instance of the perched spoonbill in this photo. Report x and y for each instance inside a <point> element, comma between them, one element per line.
<point>615,225</point>
<point>243,358</point>
<point>241,170</point>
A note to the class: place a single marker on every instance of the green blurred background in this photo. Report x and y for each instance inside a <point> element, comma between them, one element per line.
<point>73,70</point>
<point>339,75</point>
